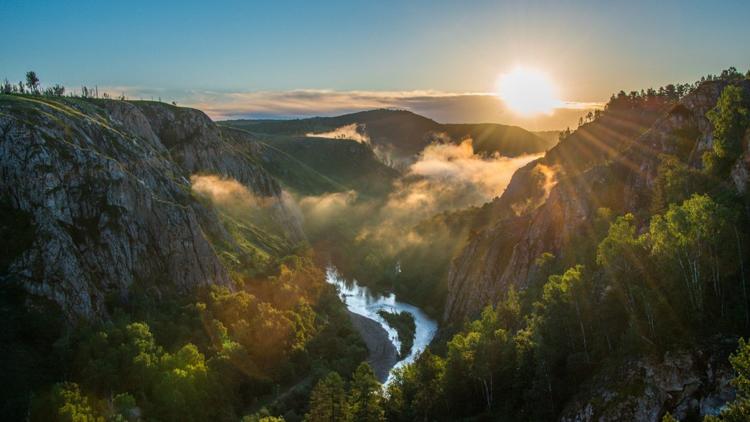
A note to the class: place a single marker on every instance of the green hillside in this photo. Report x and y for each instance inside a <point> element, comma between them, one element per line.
<point>312,166</point>
<point>406,133</point>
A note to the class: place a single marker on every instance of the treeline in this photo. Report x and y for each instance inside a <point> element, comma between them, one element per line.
<point>669,93</point>
<point>32,86</point>
<point>654,98</point>
<point>668,277</point>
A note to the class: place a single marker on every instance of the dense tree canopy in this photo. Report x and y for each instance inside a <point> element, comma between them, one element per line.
<point>730,119</point>
<point>328,401</point>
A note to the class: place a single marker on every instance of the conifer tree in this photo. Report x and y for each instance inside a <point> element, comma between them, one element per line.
<point>328,401</point>
<point>365,397</point>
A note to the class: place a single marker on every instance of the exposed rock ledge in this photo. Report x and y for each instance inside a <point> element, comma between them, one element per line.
<point>686,384</point>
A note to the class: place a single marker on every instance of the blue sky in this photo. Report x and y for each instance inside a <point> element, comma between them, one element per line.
<point>194,51</point>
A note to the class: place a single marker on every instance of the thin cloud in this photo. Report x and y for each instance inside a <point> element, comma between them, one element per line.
<point>310,102</point>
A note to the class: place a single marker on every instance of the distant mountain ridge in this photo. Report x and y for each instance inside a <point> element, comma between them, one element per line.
<point>406,133</point>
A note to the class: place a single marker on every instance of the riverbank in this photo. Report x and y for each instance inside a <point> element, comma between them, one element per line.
<point>383,341</point>
<point>382,354</point>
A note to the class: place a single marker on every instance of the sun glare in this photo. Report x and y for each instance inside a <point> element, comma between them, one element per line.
<point>527,91</point>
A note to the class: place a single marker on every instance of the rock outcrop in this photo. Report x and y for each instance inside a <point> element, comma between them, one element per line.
<point>105,187</point>
<point>689,385</point>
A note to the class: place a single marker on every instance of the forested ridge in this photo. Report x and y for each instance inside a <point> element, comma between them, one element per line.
<point>633,291</point>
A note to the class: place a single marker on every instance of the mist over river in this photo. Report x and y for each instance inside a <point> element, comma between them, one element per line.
<point>361,301</point>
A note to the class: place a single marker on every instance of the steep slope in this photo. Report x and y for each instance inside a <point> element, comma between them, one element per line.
<point>490,138</point>
<point>400,129</point>
<point>198,146</point>
<point>313,166</point>
<point>403,134</point>
<point>98,198</point>
<point>690,382</point>
<point>551,136</point>
<point>553,201</point>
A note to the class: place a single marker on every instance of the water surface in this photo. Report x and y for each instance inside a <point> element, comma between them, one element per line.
<point>360,300</point>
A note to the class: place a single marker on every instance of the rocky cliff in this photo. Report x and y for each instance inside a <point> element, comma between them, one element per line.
<point>553,201</point>
<point>97,197</point>
<point>553,206</point>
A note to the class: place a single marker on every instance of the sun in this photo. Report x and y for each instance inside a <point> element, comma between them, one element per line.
<point>528,91</point>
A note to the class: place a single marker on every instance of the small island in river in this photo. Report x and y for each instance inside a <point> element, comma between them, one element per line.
<point>403,323</point>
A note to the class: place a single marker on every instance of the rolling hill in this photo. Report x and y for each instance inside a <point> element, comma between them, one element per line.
<point>404,134</point>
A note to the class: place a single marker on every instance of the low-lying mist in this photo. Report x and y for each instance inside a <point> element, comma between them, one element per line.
<point>357,132</point>
<point>257,228</point>
<point>352,132</point>
<point>367,237</point>
<point>403,240</point>
<point>229,194</point>
<point>449,177</point>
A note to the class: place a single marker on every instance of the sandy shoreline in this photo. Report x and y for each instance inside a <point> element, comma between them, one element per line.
<point>382,354</point>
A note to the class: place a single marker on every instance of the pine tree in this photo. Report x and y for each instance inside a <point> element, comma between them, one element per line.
<point>32,81</point>
<point>365,397</point>
<point>328,401</point>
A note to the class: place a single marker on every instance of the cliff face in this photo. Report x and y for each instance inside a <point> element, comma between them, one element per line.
<point>553,201</point>
<point>692,383</point>
<point>104,186</point>
<point>198,145</point>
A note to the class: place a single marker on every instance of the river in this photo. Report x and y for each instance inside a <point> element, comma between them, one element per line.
<point>361,301</point>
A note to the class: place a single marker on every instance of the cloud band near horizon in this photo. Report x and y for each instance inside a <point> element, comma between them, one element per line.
<point>443,107</point>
